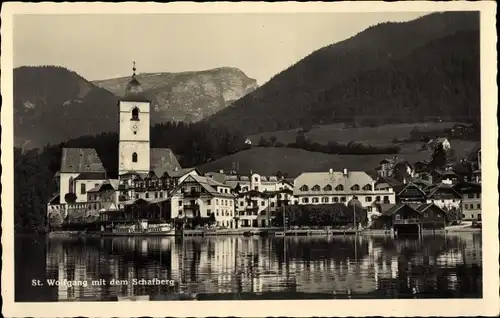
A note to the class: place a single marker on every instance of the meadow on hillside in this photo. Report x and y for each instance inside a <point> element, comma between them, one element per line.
<point>375,136</point>
<point>269,160</point>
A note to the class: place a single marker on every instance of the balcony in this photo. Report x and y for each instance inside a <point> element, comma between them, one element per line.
<point>191,194</point>
<point>192,207</point>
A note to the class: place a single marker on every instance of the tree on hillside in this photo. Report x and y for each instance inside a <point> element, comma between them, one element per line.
<point>438,157</point>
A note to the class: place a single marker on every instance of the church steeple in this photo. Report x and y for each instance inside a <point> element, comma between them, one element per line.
<point>134,90</point>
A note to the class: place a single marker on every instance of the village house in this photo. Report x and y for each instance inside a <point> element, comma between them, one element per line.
<point>203,197</point>
<point>396,168</point>
<point>471,200</point>
<point>444,196</point>
<point>340,187</point>
<point>441,141</point>
<point>104,196</point>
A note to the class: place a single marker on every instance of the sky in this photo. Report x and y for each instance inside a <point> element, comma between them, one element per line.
<point>261,45</point>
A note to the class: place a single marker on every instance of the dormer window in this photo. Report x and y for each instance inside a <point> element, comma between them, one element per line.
<point>304,188</point>
<point>135,114</point>
<point>355,187</point>
<point>339,188</point>
<point>328,188</point>
<point>316,188</point>
<point>367,187</point>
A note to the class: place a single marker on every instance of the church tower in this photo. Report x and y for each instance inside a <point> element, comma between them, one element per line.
<point>134,144</point>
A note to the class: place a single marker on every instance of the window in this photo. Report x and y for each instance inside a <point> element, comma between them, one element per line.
<point>470,195</point>
<point>83,188</point>
<point>478,195</point>
<point>355,187</point>
<point>147,195</point>
<point>304,188</point>
<point>161,194</point>
<point>256,188</point>
<point>135,113</point>
<point>325,199</point>
<point>386,199</point>
<point>343,199</point>
<point>478,205</point>
<point>397,217</point>
<point>305,200</point>
<point>156,195</point>
<point>242,203</point>
<point>367,187</point>
<point>368,199</point>
<point>216,201</point>
<point>426,215</point>
<point>328,188</point>
<point>339,188</point>
<point>466,206</point>
<point>335,199</point>
<point>377,198</point>
<point>262,203</point>
<point>137,195</point>
<point>209,202</point>
<point>209,212</point>
<point>256,179</point>
<point>217,212</point>
<point>315,200</point>
<point>180,203</point>
<point>316,188</point>
<point>134,157</point>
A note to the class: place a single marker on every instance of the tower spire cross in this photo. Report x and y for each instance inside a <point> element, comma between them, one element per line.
<point>133,68</point>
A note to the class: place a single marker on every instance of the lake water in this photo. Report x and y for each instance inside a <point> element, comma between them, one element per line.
<point>236,268</point>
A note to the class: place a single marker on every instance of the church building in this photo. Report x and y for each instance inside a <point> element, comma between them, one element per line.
<point>82,169</point>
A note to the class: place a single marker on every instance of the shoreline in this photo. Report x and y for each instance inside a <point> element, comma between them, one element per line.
<point>253,232</point>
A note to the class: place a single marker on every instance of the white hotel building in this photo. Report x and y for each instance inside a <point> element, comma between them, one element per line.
<point>340,187</point>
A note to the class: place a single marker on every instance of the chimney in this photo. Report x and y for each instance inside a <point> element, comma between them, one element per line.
<point>331,171</point>
<point>345,171</point>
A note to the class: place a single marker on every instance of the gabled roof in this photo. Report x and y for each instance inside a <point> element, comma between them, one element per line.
<point>467,187</point>
<point>78,160</point>
<point>438,187</point>
<point>334,179</point>
<point>208,184</point>
<point>91,176</point>
<point>408,185</point>
<point>393,209</point>
<point>163,158</point>
<point>107,184</point>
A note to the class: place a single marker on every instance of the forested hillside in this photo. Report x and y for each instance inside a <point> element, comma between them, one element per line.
<point>399,72</point>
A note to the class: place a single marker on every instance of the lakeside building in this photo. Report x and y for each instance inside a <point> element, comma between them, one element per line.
<point>203,197</point>
<point>471,200</point>
<point>257,197</point>
<point>340,187</point>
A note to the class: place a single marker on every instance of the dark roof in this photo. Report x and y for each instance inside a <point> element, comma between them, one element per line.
<point>78,160</point>
<point>91,176</point>
<point>163,158</point>
<point>467,187</point>
<point>134,92</point>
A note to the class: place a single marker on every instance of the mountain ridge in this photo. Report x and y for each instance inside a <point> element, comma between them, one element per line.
<point>285,101</point>
<point>54,104</point>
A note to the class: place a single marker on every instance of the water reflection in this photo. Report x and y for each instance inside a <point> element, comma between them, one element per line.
<point>252,268</point>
